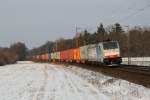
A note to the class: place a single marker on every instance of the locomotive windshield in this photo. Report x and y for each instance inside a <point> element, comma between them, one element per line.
<point>110,45</point>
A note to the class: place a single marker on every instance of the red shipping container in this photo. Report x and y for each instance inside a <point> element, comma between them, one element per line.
<point>32,58</point>
<point>46,57</point>
<point>71,52</point>
<point>76,54</point>
<point>38,57</point>
<point>66,53</point>
<point>62,55</point>
<point>42,57</point>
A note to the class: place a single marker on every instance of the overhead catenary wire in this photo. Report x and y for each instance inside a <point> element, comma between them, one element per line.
<point>135,13</point>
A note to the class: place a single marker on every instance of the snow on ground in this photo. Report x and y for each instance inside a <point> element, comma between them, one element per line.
<point>115,89</point>
<point>35,81</point>
<point>145,61</point>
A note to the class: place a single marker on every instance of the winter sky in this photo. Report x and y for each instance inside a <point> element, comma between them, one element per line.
<point>37,21</point>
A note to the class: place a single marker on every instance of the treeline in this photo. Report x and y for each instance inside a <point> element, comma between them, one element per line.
<point>7,56</point>
<point>134,42</point>
<point>12,54</point>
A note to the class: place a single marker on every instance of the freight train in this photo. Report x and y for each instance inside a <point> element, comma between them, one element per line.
<point>101,53</point>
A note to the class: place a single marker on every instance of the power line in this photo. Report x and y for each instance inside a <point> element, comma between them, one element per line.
<point>129,7</point>
<point>135,13</point>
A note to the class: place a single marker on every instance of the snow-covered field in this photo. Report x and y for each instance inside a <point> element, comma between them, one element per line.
<point>35,81</point>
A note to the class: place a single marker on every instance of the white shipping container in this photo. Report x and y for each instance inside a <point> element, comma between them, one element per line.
<point>83,53</point>
<point>91,51</point>
<point>55,55</point>
<point>58,55</point>
<point>52,55</point>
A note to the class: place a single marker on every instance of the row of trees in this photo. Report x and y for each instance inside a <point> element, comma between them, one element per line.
<point>134,42</point>
<point>12,54</point>
<point>7,56</point>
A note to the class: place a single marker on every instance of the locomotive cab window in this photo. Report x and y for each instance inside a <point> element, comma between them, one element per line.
<point>110,45</point>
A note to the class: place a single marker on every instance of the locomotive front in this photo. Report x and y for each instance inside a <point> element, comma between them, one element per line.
<point>111,52</point>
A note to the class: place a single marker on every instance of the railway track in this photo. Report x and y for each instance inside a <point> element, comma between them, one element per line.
<point>136,69</point>
<point>145,70</point>
<point>132,73</point>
